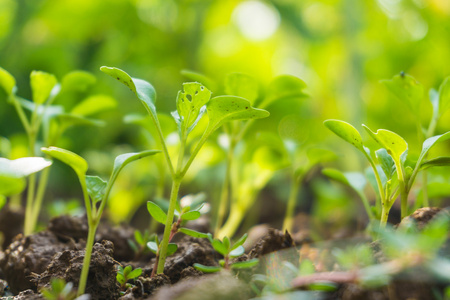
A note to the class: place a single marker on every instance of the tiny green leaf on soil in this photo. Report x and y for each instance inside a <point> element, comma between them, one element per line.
<point>41,85</point>
<point>191,215</point>
<point>242,85</point>
<point>219,247</point>
<point>237,252</point>
<point>76,162</point>
<point>245,264</point>
<point>7,81</point>
<point>156,212</point>
<point>207,269</point>
<point>135,273</point>
<point>96,188</point>
<point>193,233</point>
<point>222,109</point>
<point>347,132</point>
<point>143,90</point>
<point>171,249</point>
<point>153,246</point>
<point>240,242</point>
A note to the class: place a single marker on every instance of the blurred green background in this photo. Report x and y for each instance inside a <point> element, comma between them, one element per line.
<point>340,48</point>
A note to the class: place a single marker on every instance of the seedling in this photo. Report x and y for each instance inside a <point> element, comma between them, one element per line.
<point>228,250</point>
<point>139,245</point>
<point>183,214</point>
<point>60,290</point>
<point>192,103</point>
<point>49,119</point>
<point>392,160</point>
<point>95,192</point>
<point>126,274</point>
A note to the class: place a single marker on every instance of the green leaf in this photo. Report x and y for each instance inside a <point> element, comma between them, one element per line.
<point>171,249</point>
<point>77,81</point>
<point>11,186</point>
<point>76,162</point>
<point>386,162</point>
<point>135,273</point>
<point>22,167</point>
<point>143,90</point>
<point>42,85</point>
<point>191,215</point>
<point>241,85</point>
<point>126,271</point>
<point>190,103</point>
<point>240,242</point>
<point>407,89</point>
<point>120,278</point>
<point>237,252</point>
<point>354,180</point>
<point>394,144</point>
<point>444,96</point>
<point>138,237</point>
<point>430,142</point>
<point>7,81</point>
<point>228,108</point>
<point>124,159</point>
<point>96,188</point>
<point>68,120</point>
<point>283,87</point>
<point>245,264</point>
<point>191,75</point>
<point>226,242</point>
<point>207,269</point>
<point>219,247</point>
<point>443,161</point>
<point>346,132</point>
<point>94,104</point>
<point>153,246</point>
<point>193,233</point>
<point>156,212</point>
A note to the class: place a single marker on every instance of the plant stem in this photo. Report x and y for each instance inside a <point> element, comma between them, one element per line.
<point>234,219</point>
<point>290,210</point>
<point>87,258</point>
<point>36,207</point>
<point>29,207</point>
<point>384,216</point>
<point>168,226</point>
<point>366,204</point>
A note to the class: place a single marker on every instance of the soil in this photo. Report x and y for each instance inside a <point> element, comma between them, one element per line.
<point>28,264</point>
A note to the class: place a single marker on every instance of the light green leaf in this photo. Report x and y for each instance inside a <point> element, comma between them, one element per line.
<point>171,249</point>
<point>228,108</point>
<point>120,278</point>
<point>96,188</point>
<point>191,215</point>
<point>444,96</point>
<point>237,252</point>
<point>68,120</point>
<point>153,246</point>
<point>156,212</point>
<point>190,103</point>
<point>355,180</point>
<point>242,85</point>
<point>283,87</point>
<point>135,273</point>
<point>386,162</point>
<point>240,242</point>
<point>11,186</point>
<point>191,75</point>
<point>127,271</point>
<point>76,162</point>
<point>245,264</point>
<point>219,247</point>
<point>42,84</point>
<point>394,144</point>
<point>141,88</point>
<point>22,167</point>
<point>346,132</point>
<point>193,233</point>
<point>207,269</point>
<point>443,161</point>
<point>94,104</point>
<point>2,200</point>
<point>407,89</point>
<point>7,81</point>
<point>429,143</point>
<point>77,81</point>
<point>124,159</point>
<point>226,242</point>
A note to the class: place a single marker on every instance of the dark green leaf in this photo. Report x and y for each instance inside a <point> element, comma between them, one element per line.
<point>443,161</point>
<point>171,249</point>
<point>193,233</point>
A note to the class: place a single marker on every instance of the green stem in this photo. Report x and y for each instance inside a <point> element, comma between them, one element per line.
<point>39,197</point>
<point>234,220</point>
<point>194,153</point>
<point>163,144</point>
<point>290,210</point>
<point>87,258</point>
<point>225,193</point>
<point>29,207</point>
<point>168,226</point>
<point>384,215</point>
<point>21,113</point>
<point>366,204</point>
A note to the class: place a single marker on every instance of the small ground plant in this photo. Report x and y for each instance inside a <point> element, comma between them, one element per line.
<point>192,103</point>
<point>95,192</point>
<point>60,290</point>
<point>126,274</point>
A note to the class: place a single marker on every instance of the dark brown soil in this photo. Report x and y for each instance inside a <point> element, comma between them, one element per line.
<point>11,224</point>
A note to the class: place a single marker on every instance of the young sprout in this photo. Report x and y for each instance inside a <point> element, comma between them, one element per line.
<point>391,158</point>
<point>50,120</point>
<point>229,251</point>
<point>193,103</point>
<point>126,274</point>
<point>95,192</point>
<point>183,214</point>
<point>139,245</point>
<point>60,290</point>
